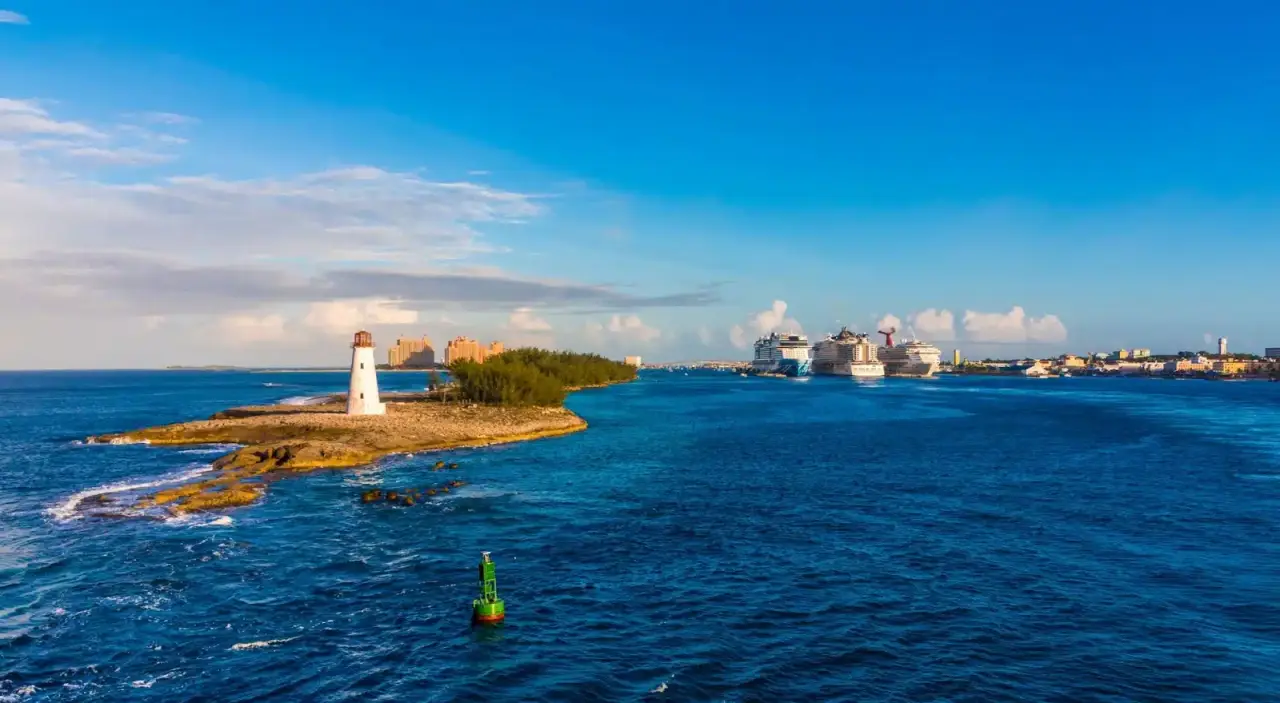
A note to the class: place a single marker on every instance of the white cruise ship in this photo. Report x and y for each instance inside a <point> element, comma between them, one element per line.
<point>847,354</point>
<point>912,358</point>
<point>786,354</point>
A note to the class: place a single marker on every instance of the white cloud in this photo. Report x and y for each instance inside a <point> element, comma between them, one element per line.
<point>11,17</point>
<point>24,117</point>
<point>168,118</point>
<point>153,322</point>
<point>89,245</point>
<point>123,156</point>
<point>1012,327</point>
<point>772,320</point>
<point>250,329</point>
<point>889,322</point>
<point>1046,329</point>
<point>704,335</point>
<point>934,325</point>
<point>628,328</point>
<point>344,317</point>
<point>523,320</point>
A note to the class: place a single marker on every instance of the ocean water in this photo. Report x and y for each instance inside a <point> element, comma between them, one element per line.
<point>709,538</point>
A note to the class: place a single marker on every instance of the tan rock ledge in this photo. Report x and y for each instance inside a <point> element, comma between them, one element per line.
<point>284,439</point>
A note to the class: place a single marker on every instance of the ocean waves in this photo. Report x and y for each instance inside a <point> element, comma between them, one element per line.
<point>971,539</point>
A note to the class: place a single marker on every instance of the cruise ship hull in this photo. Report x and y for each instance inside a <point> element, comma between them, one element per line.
<point>910,369</point>
<point>794,367</point>
<point>855,369</point>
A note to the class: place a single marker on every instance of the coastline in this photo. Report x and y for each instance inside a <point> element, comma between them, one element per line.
<point>275,441</point>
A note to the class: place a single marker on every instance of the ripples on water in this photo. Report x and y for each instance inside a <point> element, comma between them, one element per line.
<point>709,538</point>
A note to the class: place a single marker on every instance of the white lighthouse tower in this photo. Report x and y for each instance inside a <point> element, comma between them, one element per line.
<point>362,396</point>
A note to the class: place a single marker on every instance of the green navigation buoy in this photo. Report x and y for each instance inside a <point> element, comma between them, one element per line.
<point>488,608</point>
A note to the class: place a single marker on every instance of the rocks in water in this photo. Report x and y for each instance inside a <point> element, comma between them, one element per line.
<point>439,465</point>
<point>408,496</point>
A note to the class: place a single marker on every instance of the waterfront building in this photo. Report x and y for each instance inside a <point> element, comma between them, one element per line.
<point>955,357</point>
<point>1197,365</point>
<point>362,391</point>
<point>632,361</point>
<point>1139,353</point>
<point>1231,367</point>
<point>1222,346</point>
<point>1272,352</point>
<point>1071,361</point>
<point>467,349</point>
<point>412,353</point>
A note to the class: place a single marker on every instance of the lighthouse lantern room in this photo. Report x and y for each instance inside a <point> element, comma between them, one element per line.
<point>362,396</point>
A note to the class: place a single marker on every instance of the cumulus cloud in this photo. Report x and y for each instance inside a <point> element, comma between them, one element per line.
<point>773,319</point>
<point>524,320</point>
<point>244,329</point>
<point>343,317</point>
<point>1012,327</point>
<point>888,322</point>
<point>11,17</point>
<point>624,327</point>
<point>934,325</point>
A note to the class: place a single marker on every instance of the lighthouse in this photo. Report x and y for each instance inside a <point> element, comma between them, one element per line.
<point>362,396</point>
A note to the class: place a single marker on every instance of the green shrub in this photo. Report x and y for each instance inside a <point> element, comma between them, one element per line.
<point>534,376</point>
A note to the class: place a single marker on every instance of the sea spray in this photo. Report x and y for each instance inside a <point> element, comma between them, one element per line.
<point>69,509</point>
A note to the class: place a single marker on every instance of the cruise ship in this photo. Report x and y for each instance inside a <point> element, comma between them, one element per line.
<point>787,354</point>
<point>847,354</point>
<point>912,358</point>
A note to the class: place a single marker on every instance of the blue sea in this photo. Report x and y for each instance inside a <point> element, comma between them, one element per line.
<point>709,538</point>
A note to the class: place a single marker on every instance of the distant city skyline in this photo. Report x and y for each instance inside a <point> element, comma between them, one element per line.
<point>180,190</point>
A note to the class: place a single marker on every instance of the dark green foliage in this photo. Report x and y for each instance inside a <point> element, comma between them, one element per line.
<point>433,380</point>
<point>534,376</point>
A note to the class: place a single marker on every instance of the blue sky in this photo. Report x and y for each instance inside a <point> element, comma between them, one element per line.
<point>642,177</point>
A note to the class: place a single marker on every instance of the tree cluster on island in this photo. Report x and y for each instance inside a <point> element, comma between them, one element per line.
<point>533,376</point>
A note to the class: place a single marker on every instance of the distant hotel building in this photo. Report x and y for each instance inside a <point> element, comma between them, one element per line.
<point>1271,352</point>
<point>467,349</point>
<point>1222,346</point>
<point>412,353</point>
<point>632,361</point>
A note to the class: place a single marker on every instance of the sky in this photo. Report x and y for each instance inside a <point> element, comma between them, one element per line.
<point>250,183</point>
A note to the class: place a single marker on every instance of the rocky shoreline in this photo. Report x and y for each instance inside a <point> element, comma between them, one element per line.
<point>280,440</point>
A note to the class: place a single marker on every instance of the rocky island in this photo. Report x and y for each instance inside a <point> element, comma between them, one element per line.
<point>287,439</point>
<point>515,397</point>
